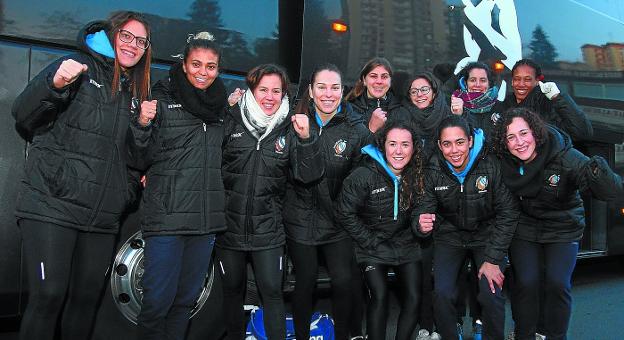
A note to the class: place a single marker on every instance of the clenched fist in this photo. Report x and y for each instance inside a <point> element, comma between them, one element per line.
<point>457,105</point>
<point>148,112</point>
<point>235,96</point>
<point>301,123</point>
<point>68,72</point>
<point>425,222</point>
<point>377,120</point>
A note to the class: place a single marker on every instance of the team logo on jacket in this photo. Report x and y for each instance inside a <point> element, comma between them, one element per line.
<point>553,180</point>
<point>340,147</point>
<point>94,83</point>
<point>280,144</point>
<point>495,117</point>
<point>174,106</point>
<point>482,183</point>
<point>376,191</point>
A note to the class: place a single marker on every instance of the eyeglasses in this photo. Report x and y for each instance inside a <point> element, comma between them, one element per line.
<point>128,37</point>
<point>424,90</point>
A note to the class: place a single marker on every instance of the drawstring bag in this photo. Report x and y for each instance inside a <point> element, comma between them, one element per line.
<point>321,326</point>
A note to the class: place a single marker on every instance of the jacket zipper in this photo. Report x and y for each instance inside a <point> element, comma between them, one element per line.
<point>250,192</point>
<point>204,217</point>
<point>98,205</point>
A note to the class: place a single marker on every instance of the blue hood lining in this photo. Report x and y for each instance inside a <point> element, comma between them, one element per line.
<point>477,144</point>
<point>378,156</point>
<point>99,43</point>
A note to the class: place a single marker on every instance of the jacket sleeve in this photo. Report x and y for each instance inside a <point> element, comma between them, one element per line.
<point>351,201</point>
<point>427,203</point>
<point>306,159</point>
<point>507,212</point>
<point>593,175</point>
<point>140,140</point>
<point>571,118</point>
<point>40,103</point>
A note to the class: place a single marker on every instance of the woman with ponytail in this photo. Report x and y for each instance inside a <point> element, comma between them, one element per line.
<point>177,138</point>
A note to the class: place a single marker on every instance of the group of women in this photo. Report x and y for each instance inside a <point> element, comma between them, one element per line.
<point>362,179</point>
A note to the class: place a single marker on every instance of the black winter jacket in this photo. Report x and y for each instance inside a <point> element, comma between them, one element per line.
<point>309,208</point>
<point>365,106</point>
<point>365,210</point>
<point>556,213</point>
<point>75,175</point>
<point>561,112</point>
<point>255,176</point>
<point>184,192</point>
<point>482,212</point>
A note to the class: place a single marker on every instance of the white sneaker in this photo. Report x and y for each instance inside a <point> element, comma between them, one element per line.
<point>423,334</point>
<point>435,336</point>
<point>540,337</point>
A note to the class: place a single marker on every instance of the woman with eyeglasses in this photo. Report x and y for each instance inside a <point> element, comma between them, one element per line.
<point>372,97</point>
<point>264,146</point>
<point>177,138</point>
<point>311,226</point>
<point>476,97</point>
<point>76,184</point>
<point>541,167</point>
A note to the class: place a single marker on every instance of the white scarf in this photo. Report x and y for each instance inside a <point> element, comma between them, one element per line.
<point>256,121</point>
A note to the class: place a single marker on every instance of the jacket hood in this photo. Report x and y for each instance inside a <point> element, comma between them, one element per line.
<point>93,39</point>
<point>477,146</point>
<point>378,157</point>
<point>561,141</point>
<point>345,112</point>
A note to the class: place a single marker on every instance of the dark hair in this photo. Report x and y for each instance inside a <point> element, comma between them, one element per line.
<point>412,177</point>
<point>429,77</point>
<point>535,122</point>
<point>203,40</point>
<point>140,73</point>
<point>358,89</point>
<point>530,63</point>
<point>255,76</point>
<point>306,101</point>
<point>465,72</point>
<point>454,121</point>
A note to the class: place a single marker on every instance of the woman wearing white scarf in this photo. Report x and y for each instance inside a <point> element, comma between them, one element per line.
<point>261,149</point>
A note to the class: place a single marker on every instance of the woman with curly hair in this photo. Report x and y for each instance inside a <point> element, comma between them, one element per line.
<point>540,166</point>
<point>471,214</point>
<point>375,207</point>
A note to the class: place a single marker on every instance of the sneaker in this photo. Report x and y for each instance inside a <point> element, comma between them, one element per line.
<point>460,331</point>
<point>423,334</point>
<point>435,336</point>
<point>540,337</point>
<point>358,337</point>
<point>511,336</point>
<point>477,330</point>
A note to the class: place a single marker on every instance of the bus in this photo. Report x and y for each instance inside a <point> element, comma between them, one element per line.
<point>579,43</point>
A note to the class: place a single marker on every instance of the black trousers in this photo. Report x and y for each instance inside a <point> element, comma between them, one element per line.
<point>66,271</point>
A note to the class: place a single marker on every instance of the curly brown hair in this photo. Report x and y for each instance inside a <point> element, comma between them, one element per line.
<point>412,177</point>
<point>535,122</point>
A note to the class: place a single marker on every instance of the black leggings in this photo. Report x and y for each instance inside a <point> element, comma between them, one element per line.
<point>268,268</point>
<point>66,272</point>
<point>409,279</point>
<point>338,257</point>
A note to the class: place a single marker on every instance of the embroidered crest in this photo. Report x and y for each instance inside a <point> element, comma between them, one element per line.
<point>482,183</point>
<point>495,117</point>
<point>553,180</point>
<point>280,144</point>
<point>340,147</point>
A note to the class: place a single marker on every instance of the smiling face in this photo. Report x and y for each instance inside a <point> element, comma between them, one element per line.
<point>477,80</point>
<point>268,93</point>
<point>128,54</point>
<point>523,81</point>
<point>455,146</point>
<point>201,67</point>
<point>420,93</point>
<point>520,140</point>
<point>398,149</point>
<point>377,82</point>
<point>326,91</point>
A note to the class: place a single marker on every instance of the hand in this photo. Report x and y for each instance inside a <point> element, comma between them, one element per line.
<point>550,89</point>
<point>67,73</point>
<point>148,112</point>
<point>301,123</point>
<point>235,96</point>
<point>457,105</point>
<point>493,274</point>
<point>377,120</point>
<point>425,222</point>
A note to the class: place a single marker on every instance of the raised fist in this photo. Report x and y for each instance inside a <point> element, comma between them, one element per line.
<point>67,73</point>
<point>148,112</point>
<point>301,123</point>
<point>550,89</point>
<point>457,105</point>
